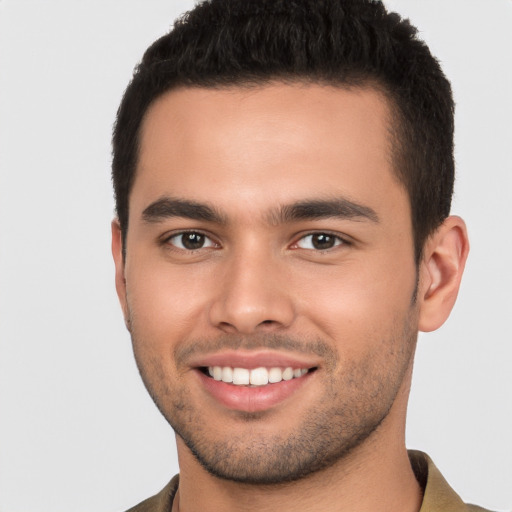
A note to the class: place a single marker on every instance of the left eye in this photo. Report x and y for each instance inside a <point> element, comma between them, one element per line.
<point>191,241</point>
<point>319,241</point>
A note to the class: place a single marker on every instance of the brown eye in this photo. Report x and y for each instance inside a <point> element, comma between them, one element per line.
<point>191,241</point>
<point>319,241</point>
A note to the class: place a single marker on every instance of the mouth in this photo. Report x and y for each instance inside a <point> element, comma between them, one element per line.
<point>254,377</point>
<point>254,382</point>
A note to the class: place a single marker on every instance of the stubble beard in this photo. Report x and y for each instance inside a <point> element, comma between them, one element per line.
<point>358,397</point>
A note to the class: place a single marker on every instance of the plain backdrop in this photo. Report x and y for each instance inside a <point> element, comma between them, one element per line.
<point>78,432</point>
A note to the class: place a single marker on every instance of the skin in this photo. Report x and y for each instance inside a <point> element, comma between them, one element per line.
<point>352,311</point>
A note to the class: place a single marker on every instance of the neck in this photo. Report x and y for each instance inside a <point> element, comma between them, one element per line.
<point>377,475</point>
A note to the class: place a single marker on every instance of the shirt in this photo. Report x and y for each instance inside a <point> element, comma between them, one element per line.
<point>438,496</point>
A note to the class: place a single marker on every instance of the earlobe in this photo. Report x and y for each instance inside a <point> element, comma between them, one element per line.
<point>117,253</point>
<point>442,266</point>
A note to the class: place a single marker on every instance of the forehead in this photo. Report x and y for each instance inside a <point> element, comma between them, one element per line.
<point>260,144</point>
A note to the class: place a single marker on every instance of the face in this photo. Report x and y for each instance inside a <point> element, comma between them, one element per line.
<point>269,278</point>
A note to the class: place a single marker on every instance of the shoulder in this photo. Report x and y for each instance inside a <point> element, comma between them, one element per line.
<point>161,502</point>
<point>438,496</point>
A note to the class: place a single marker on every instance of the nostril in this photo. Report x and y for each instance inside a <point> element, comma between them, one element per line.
<point>226,326</point>
<point>267,324</point>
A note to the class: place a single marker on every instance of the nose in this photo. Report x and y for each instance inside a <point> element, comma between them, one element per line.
<point>254,295</point>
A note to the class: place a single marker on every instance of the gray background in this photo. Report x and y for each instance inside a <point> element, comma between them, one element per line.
<point>77,430</point>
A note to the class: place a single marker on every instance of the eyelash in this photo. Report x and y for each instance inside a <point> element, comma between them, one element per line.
<point>182,234</point>
<point>338,241</point>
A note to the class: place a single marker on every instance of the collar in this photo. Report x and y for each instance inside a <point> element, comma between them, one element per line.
<point>438,496</point>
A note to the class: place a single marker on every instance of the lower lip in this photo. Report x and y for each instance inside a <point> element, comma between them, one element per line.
<point>252,399</point>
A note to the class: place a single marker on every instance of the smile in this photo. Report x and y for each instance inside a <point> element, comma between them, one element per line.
<point>255,376</point>
<point>255,381</point>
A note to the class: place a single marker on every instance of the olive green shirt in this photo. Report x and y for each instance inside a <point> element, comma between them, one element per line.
<point>438,496</point>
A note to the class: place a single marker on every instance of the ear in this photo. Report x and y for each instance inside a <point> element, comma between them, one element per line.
<point>442,265</point>
<point>117,253</point>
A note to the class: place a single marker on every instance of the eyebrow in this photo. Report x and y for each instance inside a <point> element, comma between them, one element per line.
<point>341,208</point>
<point>168,207</point>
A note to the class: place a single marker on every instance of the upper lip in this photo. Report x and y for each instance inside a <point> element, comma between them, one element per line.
<point>253,359</point>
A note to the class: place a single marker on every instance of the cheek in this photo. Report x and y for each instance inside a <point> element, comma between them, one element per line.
<point>167,303</point>
<point>358,300</point>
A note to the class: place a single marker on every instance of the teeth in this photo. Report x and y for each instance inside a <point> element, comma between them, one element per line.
<point>259,377</point>
<point>227,374</point>
<point>275,375</point>
<point>288,374</point>
<point>255,377</point>
<point>217,373</point>
<point>241,376</point>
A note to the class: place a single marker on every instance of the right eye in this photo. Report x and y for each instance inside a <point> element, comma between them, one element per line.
<point>191,241</point>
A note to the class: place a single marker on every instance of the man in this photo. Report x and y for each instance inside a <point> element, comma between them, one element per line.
<point>283,175</point>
